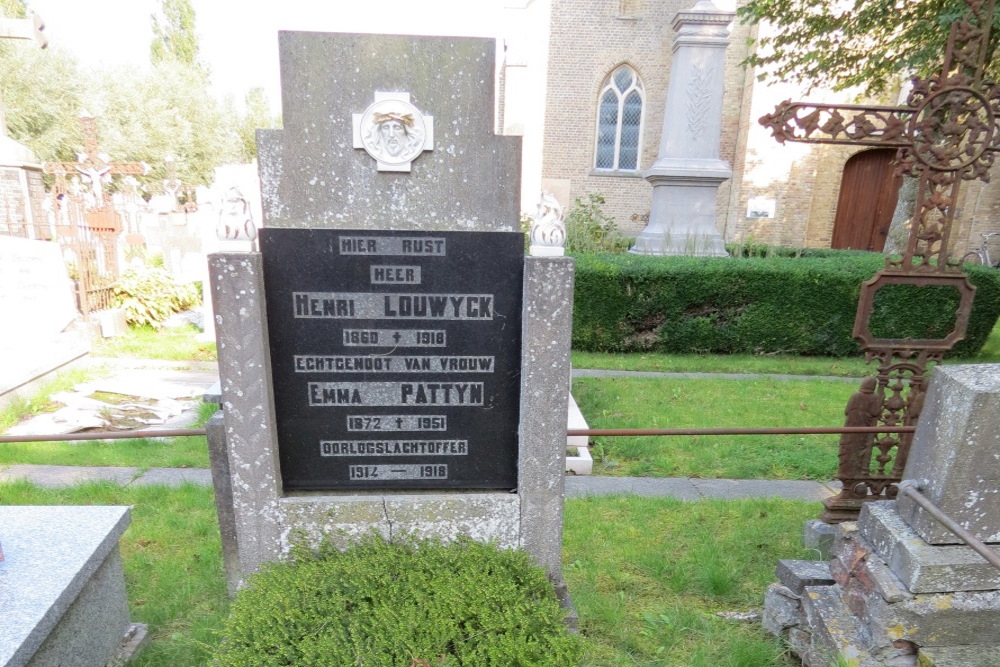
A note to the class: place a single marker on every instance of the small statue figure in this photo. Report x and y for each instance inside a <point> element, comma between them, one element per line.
<point>863,409</point>
<point>548,231</point>
<point>235,217</point>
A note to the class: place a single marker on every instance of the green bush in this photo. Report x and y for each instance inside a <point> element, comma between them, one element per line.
<point>150,295</point>
<point>400,604</point>
<point>760,305</point>
<point>590,229</point>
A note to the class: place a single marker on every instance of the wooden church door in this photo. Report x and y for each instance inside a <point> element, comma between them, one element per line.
<point>868,193</point>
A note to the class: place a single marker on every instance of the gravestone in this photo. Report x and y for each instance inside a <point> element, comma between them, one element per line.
<point>37,308</point>
<point>900,588</point>
<point>390,361</point>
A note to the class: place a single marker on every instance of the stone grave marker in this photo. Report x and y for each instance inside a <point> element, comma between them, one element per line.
<point>390,361</point>
<point>37,307</point>
<point>900,589</point>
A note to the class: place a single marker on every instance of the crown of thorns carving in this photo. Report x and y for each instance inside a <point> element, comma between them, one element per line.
<point>405,119</point>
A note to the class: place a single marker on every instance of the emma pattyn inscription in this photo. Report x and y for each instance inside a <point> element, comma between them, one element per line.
<point>393,131</point>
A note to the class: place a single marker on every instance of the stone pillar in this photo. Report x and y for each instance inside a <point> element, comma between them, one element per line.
<point>688,171</point>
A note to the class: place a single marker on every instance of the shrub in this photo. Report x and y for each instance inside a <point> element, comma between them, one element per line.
<point>410,603</point>
<point>797,305</point>
<point>590,229</point>
<point>150,295</point>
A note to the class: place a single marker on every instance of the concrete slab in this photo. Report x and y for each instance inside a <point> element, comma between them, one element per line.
<point>164,383</point>
<point>174,477</point>
<point>982,655</point>
<point>732,489</point>
<point>576,420</point>
<point>671,487</point>
<point>579,461</point>
<point>54,477</point>
<point>679,488</point>
<point>922,567</point>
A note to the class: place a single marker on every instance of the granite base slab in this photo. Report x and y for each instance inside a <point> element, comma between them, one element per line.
<point>62,586</point>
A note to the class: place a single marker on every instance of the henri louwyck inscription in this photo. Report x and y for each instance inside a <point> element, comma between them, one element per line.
<point>395,357</point>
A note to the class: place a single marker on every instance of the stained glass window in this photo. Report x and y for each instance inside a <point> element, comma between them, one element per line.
<point>619,121</point>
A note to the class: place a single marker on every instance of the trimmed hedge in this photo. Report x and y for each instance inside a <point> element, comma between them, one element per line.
<point>399,604</point>
<point>796,305</point>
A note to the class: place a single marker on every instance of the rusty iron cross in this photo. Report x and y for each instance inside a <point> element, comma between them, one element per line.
<point>93,165</point>
<point>946,133</point>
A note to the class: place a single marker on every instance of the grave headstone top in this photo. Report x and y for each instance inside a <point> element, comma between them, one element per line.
<point>37,293</point>
<point>369,144</point>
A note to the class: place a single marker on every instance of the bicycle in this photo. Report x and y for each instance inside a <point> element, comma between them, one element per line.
<point>981,255</point>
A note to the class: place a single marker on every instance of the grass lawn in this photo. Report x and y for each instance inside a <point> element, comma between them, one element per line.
<point>174,344</point>
<point>189,452</point>
<point>688,403</point>
<point>646,574</point>
<point>722,363</point>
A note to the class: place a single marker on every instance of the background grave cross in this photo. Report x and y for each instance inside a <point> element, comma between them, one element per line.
<point>946,133</point>
<point>93,164</point>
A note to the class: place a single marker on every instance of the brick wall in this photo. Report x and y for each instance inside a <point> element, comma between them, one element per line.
<point>589,38</point>
<point>12,201</point>
<point>21,195</point>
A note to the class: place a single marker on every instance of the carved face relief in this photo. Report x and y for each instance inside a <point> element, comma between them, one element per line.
<point>393,131</point>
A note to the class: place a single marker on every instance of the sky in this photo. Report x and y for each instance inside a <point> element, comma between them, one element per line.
<point>238,39</point>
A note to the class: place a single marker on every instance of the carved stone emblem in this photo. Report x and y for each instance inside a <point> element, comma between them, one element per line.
<point>393,131</point>
<point>548,231</point>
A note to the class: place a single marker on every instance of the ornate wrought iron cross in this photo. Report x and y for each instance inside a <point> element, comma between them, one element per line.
<point>946,133</point>
<point>93,165</point>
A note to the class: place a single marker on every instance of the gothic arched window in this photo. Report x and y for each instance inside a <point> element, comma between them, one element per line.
<point>619,121</point>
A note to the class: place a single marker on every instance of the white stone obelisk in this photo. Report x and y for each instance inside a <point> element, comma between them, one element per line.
<point>688,171</point>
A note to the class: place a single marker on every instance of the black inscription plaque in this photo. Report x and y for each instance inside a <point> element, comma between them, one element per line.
<point>395,357</point>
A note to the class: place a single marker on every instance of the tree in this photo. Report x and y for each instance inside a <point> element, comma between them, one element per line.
<point>257,114</point>
<point>863,43</point>
<point>14,9</point>
<point>43,94</point>
<point>174,36</point>
<point>148,115</point>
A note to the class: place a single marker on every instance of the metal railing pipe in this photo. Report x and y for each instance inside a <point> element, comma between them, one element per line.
<point>187,432</point>
<point>810,430</point>
<point>104,435</point>
<point>911,488</point>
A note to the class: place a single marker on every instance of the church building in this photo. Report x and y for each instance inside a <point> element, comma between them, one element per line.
<point>606,72</point>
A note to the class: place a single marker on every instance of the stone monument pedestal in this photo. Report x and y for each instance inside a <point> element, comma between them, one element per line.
<point>682,218</point>
<point>62,588</point>
<point>898,590</point>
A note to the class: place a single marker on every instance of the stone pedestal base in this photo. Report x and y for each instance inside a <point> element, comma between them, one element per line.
<point>682,214</point>
<point>887,598</point>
